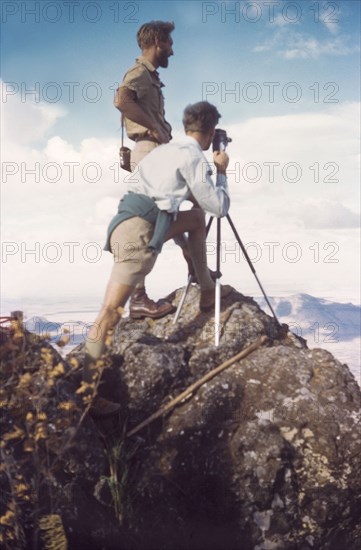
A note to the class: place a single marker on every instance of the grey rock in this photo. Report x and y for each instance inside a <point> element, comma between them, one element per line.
<point>265,455</point>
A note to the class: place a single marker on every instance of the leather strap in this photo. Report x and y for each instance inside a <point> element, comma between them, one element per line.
<point>146,138</point>
<point>122,130</point>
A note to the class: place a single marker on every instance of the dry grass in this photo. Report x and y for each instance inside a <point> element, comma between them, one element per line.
<point>37,422</point>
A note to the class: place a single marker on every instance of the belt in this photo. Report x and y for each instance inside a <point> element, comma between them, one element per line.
<point>146,138</point>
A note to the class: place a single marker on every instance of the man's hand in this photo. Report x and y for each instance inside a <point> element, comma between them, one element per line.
<point>221,160</point>
<point>126,101</point>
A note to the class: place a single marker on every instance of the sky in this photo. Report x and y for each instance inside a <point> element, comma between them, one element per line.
<point>284,75</point>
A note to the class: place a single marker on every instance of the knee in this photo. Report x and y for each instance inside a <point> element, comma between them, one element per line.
<point>199,216</point>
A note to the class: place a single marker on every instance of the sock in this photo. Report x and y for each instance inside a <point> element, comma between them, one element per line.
<point>140,285</point>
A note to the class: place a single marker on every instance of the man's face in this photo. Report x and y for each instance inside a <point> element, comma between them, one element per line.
<point>164,51</point>
<point>209,139</point>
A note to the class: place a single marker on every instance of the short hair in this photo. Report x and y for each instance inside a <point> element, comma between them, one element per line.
<point>200,117</point>
<point>149,32</point>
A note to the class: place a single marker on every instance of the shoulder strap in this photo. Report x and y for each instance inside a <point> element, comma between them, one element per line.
<point>122,130</point>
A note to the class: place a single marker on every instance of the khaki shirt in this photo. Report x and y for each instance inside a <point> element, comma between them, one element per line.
<point>144,80</point>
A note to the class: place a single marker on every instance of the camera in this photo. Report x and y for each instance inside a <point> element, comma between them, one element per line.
<point>220,140</point>
<point>124,157</point>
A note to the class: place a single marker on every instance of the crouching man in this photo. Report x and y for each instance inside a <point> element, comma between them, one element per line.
<point>148,215</point>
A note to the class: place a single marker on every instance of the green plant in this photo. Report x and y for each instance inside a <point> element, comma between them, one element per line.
<point>120,452</point>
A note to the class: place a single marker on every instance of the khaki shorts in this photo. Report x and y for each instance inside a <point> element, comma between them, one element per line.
<point>133,260</point>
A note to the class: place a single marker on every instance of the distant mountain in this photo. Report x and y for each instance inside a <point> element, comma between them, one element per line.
<point>41,325</point>
<point>76,330</point>
<point>309,316</point>
<point>324,324</point>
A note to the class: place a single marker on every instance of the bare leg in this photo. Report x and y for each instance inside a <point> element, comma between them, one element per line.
<point>116,296</point>
<point>182,241</point>
<point>193,222</point>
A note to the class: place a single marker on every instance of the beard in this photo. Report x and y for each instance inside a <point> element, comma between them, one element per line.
<point>163,60</point>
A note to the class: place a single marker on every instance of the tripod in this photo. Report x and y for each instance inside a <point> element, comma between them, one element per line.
<point>217,305</point>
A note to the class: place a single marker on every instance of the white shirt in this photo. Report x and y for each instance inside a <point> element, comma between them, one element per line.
<point>171,173</point>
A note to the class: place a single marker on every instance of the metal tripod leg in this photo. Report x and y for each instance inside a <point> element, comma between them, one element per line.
<point>251,266</point>
<point>185,291</point>
<point>218,284</point>
<point>217,290</point>
<point>217,313</point>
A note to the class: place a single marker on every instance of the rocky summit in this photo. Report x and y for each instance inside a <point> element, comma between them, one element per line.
<point>262,454</point>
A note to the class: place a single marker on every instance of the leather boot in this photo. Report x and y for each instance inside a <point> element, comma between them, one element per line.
<point>208,297</point>
<point>141,306</point>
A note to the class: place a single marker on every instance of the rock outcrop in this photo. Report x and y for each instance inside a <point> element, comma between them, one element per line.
<point>265,455</point>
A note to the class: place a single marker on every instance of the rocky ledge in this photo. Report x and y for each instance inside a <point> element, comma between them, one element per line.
<point>263,455</point>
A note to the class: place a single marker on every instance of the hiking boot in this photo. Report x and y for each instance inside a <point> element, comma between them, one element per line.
<point>208,297</point>
<point>141,306</point>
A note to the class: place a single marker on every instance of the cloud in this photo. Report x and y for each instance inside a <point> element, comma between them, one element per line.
<point>331,16</point>
<point>288,44</point>
<point>332,26</point>
<point>281,21</point>
<point>78,208</point>
<point>323,145</point>
<point>267,155</point>
<point>25,119</point>
<point>325,214</point>
<point>306,47</point>
<point>290,15</point>
<point>59,184</point>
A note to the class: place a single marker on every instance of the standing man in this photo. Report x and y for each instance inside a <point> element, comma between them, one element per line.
<point>140,100</point>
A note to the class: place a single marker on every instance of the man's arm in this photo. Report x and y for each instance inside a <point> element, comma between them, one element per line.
<point>214,199</point>
<point>126,101</point>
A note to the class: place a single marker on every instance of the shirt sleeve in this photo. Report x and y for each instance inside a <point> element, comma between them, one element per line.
<point>213,198</point>
<point>136,80</point>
